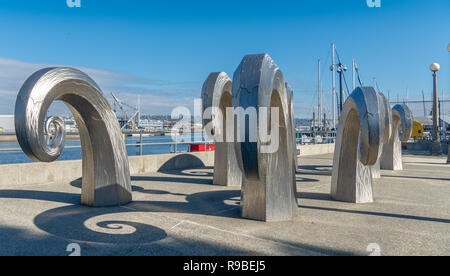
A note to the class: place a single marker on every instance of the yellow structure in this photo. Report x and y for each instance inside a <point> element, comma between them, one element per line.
<point>417,130</point>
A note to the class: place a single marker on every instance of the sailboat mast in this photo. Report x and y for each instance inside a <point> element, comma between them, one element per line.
<point>424,107</point>
<point>333,89</point>
<point>319,110</point>
<point>139,111</point>
<point>353,72</point>
<point>407,92</point>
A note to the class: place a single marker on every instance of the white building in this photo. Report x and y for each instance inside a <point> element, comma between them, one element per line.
<point>7,124</point>
<point>152,125</point>
<point>427,122</point>
<point>70,125</point>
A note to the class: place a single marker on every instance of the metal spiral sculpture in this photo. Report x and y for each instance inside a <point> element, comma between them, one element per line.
<point>56,137</point>
<point>106,174</point>
<point>267,188</point>
<point>402,121</point>
<point>290,94</point>
<point>386,120</point>
<point>216,96</point>
<point>358,147</point>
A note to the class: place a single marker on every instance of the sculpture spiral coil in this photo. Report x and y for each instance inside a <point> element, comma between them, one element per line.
<point>216,96</point>
<point>106,174</point>
<point>386,130</point>
<point>358,146</point>
<point>402,121</point>
<point>290,94</point>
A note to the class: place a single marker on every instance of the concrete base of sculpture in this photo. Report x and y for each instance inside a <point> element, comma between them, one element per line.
<point>353,187</point>
<point>376,170</point>
<point>226,169</point>
<point>269,211</point>
<point>358,145</point>
<point>391,159</point>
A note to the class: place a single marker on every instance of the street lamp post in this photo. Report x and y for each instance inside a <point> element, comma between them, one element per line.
<point>448,157</point>
<point>341,68</point>
<point>436,148</point>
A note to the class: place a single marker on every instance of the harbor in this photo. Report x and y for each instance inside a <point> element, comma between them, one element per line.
<point>226,134</point>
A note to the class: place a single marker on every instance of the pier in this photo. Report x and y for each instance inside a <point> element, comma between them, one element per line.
<point>176,211</point>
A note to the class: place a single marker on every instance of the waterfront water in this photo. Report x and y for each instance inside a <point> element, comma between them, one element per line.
<point>75,154</point>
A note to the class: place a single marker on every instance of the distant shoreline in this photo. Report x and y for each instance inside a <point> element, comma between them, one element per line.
<point>8,138</point>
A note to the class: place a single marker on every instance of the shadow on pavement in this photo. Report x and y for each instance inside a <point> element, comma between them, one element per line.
<point>416,177</point>
<point>377,214</point>
<point>315,170</point>
<point>69,222</point>
<point>203,181</point>
<point>314,196</point>
<point>182,161</point>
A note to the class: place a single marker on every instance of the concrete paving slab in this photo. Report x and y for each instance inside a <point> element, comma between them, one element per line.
<point>181,213</point>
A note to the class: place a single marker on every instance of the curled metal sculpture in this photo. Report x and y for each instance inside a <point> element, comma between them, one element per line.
<point>386,120</point>
<point>216,98</point>
<point>106,174</point>
<point>268,181</point>
<point>402,126</point>
<point>358,146</point>
<point>290,94</point>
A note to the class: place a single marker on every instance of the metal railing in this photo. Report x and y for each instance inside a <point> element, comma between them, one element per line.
<point>173,146</point>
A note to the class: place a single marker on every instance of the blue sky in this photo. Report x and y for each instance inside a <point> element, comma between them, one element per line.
<point>164,50</point>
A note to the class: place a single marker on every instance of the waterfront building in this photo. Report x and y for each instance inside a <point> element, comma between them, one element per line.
<point>7,124</point>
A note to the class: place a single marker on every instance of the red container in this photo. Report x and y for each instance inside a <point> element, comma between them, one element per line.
<point>201,147</point>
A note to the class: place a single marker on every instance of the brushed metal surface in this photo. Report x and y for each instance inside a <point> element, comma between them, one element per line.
<point>106,174</point>
<point>386,117</point>
<point>358,146</point>
<point>402,126</point>
<point>290,94</point>
<point>216,94</point>
<point>267,188</point>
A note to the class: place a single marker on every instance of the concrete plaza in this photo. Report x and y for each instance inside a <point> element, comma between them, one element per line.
<point>181,213</point>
